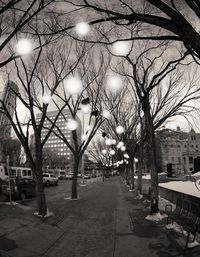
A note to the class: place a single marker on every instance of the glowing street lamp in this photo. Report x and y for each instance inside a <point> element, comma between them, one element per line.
<point>73,86</point>
<point>126,156</point>
<point>114,142</point>
<point>72,124</point>
<point>120,144</point>
<point>119,130</point>
<point>46,99</point>
<point>123,148</point>
<point>121,48</point>
<point>104,151</point>
<point>112,152</point>
<point>82,28</point>
<point>24,46</point>
<point>108,141</point>
<point>85,109</point>
<point>106,114</point>
<point>84,137</point>
<point>114,83</point>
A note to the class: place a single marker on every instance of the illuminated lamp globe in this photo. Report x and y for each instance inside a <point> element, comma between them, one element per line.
<point>112,152</point>
<point>135,160</point>
<point>121,48</point>
<point>82,28</point>
<point>108,141</point>
<point>24,46</point>
<point>85,109</point>
<point>120,144</point>
<point>114,142</point>
<point>73,86</point>
<point>72,125</point>
<point>88,128</point>
<point>123,148</point>
<point>84,137</point>
<point>46,99</point>
<point>119,130</point>
<point>114,83</point>
<point>106,114</point>
<point>104,151</point>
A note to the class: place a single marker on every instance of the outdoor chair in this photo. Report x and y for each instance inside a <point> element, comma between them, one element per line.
<point>182,215</point>
<point>192,229</point>
<point>176,212</point>
<point>190,217</point>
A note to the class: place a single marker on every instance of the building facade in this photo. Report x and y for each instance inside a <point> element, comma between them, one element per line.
<point>179,149</point>
<point>54,143</point>
<point>9,97</point>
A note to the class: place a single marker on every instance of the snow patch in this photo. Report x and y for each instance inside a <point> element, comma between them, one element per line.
<point>139,196</point>
<point>48,214</point>
<point>185,187</point>
<point>156,217</point>
<point>193,244</point>
<point>72,199</point>
<point>82,184</point>
<point>11,203</point>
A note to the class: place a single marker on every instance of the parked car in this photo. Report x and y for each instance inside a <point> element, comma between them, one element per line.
<point>62,175</point>
<point>69,176</point>
<point>87,176</point>
<point>49,179</point>
<point>20,188</point>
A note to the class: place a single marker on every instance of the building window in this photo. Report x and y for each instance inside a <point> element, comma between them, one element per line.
<point>190,160</point>
<point>197,146</point>
<point>192,146</point>
<point>179,160</point>
<point>172,158</point>
<point>179,146</point>
<point>184,160</point>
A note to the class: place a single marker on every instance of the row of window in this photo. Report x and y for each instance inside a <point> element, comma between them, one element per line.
<point>179,146</point>
<point>55,145</point>
<point>178,159</point>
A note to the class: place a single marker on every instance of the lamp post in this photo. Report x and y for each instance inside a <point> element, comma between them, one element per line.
<point>135,161</point>
<point>85,109</point>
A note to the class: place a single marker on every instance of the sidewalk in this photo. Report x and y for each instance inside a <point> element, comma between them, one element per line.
<point>106,222</point>
<point>143,237</point>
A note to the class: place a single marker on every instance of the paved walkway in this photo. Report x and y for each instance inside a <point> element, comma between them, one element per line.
<point>105,222</point>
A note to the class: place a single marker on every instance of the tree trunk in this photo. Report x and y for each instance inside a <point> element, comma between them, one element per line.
<point>152,155</point>
<point>127,176</point>
<point>139,184</point>
<point>41,199</point>
<point>132,172</point>
<point>74,180</point>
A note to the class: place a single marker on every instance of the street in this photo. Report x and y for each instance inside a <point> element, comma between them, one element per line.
<point>80,228</point>
<point>105,221</point>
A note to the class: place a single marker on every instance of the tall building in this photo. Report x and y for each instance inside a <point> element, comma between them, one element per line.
<point>54,143</point>
<point>179,149</point>
<point>9,97</point>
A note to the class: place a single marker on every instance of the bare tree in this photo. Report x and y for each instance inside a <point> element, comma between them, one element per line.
<point>38,81</point>
<point>157,84</point>
<point>125,115</point>
<point>177,19</point>
<point>93,95</point>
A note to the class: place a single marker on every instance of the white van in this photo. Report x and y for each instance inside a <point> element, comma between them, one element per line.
<point>15,172</point>
<point>3,172</point>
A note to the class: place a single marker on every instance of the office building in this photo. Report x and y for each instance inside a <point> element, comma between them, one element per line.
<point>178,149</point>
<point>54,143</point>
<point>9,97</point>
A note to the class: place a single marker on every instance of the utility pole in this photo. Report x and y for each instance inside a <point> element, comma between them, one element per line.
<point>8,169</point>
